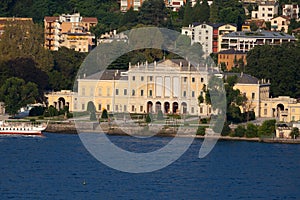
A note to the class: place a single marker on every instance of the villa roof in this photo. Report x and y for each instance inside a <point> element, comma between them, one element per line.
<point>243,78</point>
<point>90,19</point>
<point>50,19</point>
<point>108,74</point>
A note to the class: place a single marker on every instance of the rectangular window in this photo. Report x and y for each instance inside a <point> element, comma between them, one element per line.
<point>184,79</point>
<point>142,92</point>
<point>83,106</point>
<point>132,108</point>
<point>193,93</point>
<point>201,80</point>
<point>192,109</point>
<point>150,93</point>
<point>125,92</point>
<point>133,93</point>
<point>201,109</point>
<point>125,108</point>
<point>193,79</point>
<point>99,107</point>
<point>133,78</point>
<point>117,91</point>
<point>141,108</point>
<point>108,107</point>
<point>142,78</point>
<point>253,95</point>
<point>151,78</point>
<point>265,111</point>
<point>184,93</point>
<point>100,92</point>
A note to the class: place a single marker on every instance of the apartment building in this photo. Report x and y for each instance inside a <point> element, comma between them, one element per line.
<point>245,40</point>
<point>208,35</point>
<point>266,10</point>
<point>280,23</point>
<point>127,4</point>
<point>291,11</point>
<point>71,31</point>
<point>5,20</point>
<point>231,58</point>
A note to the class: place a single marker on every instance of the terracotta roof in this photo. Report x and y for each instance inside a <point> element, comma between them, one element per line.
<point>90,19</point>
<point>50,19</point>
<point>282,16</point>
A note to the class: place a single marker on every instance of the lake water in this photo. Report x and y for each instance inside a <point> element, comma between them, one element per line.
<point>58,166</point>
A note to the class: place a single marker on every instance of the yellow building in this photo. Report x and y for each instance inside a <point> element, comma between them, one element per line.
<point>61,99</point>
<point>172,86</point>
<point>71,31</point>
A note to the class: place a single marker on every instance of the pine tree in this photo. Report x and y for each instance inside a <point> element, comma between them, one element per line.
<point>187,18</point>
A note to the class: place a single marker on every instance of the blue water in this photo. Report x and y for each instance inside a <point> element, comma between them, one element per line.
<point>57,165</point>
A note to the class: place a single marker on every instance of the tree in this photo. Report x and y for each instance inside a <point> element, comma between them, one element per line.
<point>263,61</point>
<point>213,15</point>
<point>251,130</point>
<point>294,133</point>
<point>25,39</point>
<point>160,115</point>
<point>153,12</point>
<point>267,128</point>
<point>15,94</point>
<point>66,65</point>
<point>104,114</point>
<point>204,11</point>
<point>92,110</point>
<point>187,17</point>
<point>148,118</point>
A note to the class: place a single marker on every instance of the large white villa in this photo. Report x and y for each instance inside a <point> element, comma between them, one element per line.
<point>172,86</point>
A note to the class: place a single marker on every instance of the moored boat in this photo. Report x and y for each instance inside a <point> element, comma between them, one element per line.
<point>21,128</point>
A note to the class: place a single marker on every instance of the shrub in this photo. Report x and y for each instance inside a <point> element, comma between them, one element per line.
<point>239,131</point>
<point>160,115</point>
<point>226,129</point>
<point>50,112</point>
<point>267,128</point>
<point>201,130</point>
<point>294,133</point>
<point>36,111</point>
<point>252,131</point>
<point>203,121</point>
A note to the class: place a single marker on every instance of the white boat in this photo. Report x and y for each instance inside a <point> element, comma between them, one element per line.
<point>21,128</point>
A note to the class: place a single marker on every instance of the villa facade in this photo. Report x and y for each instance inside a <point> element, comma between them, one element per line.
<point>172,86</point>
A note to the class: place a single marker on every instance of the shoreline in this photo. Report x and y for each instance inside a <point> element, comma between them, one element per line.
<point>70,128</point>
